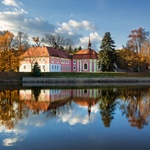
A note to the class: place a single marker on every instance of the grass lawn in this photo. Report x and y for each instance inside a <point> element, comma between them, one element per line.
<point>19,75</point>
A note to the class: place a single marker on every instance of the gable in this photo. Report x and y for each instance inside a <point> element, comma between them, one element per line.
<point>36,52</point>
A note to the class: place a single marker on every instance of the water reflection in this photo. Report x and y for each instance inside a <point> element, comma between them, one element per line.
<point>21,109</point>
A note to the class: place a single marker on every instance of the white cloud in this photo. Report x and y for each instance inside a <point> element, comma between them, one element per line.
<point>77,30</point>
<point>95,39</point>
<point>16,20</point>
<point>72,25</point>
<point>10,3</point>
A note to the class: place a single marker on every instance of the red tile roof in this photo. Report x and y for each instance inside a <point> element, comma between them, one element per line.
<point>51,51</point>
<point>45,52</point>
<point>85,54</point>
<point>57,52</point>
<point>36,52</point>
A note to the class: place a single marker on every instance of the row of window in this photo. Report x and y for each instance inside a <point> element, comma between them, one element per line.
<point>63,61</point>
<point>56,67</point>
<point>41,67</point>
<point>65,68</point>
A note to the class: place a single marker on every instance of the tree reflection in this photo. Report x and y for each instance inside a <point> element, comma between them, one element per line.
<point>107,105</point>
<point>136,106</point>
<point>10,109</point>
<point>133,102</point>
<point>36,93</point>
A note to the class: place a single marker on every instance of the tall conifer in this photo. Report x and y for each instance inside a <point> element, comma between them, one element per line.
<point>107,53</point>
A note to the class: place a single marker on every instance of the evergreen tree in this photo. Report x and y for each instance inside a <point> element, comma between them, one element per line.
<point>36,70</point>
<point>107,53</point>
<point>80,48</point>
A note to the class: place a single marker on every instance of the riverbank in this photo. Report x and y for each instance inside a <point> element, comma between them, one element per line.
<point>84,81</point>
<point>74,79</point>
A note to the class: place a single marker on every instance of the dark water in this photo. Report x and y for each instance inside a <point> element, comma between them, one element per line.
<point>75,119</point>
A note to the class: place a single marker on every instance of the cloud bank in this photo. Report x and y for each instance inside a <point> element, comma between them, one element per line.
<point>15,18</point>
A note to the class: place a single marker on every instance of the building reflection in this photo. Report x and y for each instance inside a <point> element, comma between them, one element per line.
<point>16,105</point>
<point>54,98</point>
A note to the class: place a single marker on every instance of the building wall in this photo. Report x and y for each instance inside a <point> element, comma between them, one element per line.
<point>58,64</point>
<point>78,65</point>
<point>27,64</point>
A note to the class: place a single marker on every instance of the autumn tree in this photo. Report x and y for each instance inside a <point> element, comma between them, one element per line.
<point>137,38</point>
<point>129,60</point>
<point>134,53</point>
<point>38,41</point>
<point>9,59</point>
<point>107,53</point>
<point>6,40</point>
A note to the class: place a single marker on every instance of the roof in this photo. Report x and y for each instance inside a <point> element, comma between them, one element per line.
<point>86,54</point>
<point>40,106</point>
<point>36,52</point>
<point>85,101</point>
<point>57,52</point>
<point>45,52</point>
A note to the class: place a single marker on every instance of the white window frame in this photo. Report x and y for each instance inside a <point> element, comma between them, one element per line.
<point>74,67</point>
<point>84,66</point>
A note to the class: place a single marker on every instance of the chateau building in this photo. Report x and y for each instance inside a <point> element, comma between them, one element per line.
<point>51,59</point>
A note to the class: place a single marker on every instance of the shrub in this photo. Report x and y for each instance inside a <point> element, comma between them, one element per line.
<point>36,71</point>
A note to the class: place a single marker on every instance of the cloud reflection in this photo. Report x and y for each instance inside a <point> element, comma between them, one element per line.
<point>10,141</point>
<point>79,117</point>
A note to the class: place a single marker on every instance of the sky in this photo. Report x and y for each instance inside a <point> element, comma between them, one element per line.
<point>76,19</point>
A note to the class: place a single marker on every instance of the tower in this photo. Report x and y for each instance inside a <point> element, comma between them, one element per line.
<point>89,44</point>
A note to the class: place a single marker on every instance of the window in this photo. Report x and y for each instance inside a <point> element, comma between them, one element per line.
<point>24,67</point>
<point>74,61</point>
<point>74,68</point>
<point>43,59</point>
<point>85,66</point>
<point>57,60</point>
<point>39,59</point>
<point>85,91</point>
<point>52,59</point>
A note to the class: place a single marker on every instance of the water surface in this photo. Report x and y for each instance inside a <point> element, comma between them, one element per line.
<point>70,119</point>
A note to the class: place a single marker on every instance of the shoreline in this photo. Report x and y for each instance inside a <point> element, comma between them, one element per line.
<point>84,81</point>
<point>26,82</point>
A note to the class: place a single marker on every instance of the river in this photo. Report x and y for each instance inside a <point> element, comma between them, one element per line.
<point>70,118</point>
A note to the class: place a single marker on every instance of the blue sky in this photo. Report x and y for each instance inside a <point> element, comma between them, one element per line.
<point>76,19</point>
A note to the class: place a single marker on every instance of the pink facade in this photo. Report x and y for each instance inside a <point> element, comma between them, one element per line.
<point>84,65</point>
<point>55,60</point>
